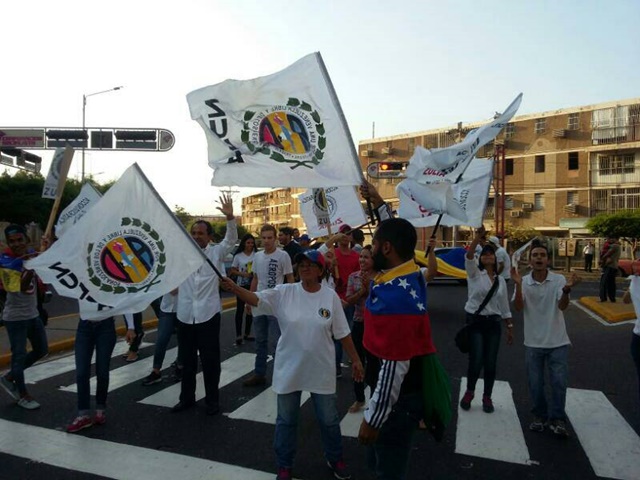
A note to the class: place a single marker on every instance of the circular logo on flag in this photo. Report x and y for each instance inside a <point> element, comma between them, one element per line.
<point>291,133</point>
<point>322,208</point>
<point>128,259</point>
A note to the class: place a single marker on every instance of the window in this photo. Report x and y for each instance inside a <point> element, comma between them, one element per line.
<point>508,203</point>
<point>573,161</point>
<point>541,125</point>
<point>510,130</point>
<point>539,167</point>
<point>538,201</point>
<point>616,164</point>
<point>508,166</point>
<point>574,121</point>
<point>572,198</point>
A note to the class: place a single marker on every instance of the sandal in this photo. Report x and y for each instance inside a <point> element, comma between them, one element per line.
<point>356,407</point>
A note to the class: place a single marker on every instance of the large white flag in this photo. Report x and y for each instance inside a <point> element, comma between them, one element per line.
<point>446,164</point>
<point>282,130</point>
<point>342,205</point>
<point>58,172</point>
<point>128,250</point>
<point>77,208</point>
<point>418,202</point>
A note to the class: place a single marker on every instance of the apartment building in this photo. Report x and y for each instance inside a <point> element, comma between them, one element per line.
<point>278,207</point>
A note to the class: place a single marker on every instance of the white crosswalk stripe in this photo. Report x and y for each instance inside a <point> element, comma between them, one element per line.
<point>52,368</point>
<point>263,408</point>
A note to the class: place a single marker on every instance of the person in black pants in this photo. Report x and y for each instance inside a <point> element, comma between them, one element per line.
<point>609,262</point>
<point>242,269</point>
<point>135,320</point>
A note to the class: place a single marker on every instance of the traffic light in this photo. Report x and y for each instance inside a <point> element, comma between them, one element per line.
<point>102,139</point>
<point>387,169</point>
<point>62,138</point>
<point>136,139</point>
<point>24,160</point>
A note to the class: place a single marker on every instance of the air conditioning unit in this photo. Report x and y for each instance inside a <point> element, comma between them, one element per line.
<point>387,150</point>
<point>366,153</point>
<point>571,208</point>
<point>515,213</point>
<point>527,206</point>
<point>559,133</point>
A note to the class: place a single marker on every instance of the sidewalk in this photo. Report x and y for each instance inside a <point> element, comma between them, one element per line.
<point>61,331</point>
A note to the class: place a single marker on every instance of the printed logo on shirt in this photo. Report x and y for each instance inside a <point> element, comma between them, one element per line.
<point>324,313</point>
<point>272,273</point>
<point>129,259</point>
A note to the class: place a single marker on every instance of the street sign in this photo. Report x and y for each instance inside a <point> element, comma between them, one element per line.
<point>50,138</point>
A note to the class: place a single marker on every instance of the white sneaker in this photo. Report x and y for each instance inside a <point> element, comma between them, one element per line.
<point>28,403</point>
<point>9,387</point>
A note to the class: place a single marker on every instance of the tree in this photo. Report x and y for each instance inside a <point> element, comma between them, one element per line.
<point>184,216</point>
<point>624,224</point>
<point>518,236</point>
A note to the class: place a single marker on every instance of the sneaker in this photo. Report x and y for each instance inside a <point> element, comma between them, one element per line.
<point>284,473</point>
<point>28,403</point>
<point>356,407</point>
<point>339,470</point>
<point>465,403</point>
<point>559,428</point>
<point>80,423</point>
<point>238,341</point>
<point>537,425</point>
<point>100,418</point>
<point>177,373</point>
<point>254,381</point>
<point>10,387</point>
<point>487,404</point>
<point>152,379</point>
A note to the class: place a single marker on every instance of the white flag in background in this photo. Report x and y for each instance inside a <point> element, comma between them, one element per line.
<point>282,130</point>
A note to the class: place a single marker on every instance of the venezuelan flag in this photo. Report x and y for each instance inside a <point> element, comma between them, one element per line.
<point>10,272</point>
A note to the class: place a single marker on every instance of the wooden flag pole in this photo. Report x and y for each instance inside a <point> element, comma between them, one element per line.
<point>65,164</point>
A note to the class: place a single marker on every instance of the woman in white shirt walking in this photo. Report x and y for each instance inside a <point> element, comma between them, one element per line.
<point>242,269</point>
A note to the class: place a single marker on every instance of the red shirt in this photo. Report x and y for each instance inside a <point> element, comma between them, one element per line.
<point>347,264</point>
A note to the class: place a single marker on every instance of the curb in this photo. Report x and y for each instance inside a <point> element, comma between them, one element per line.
<point>610,312</point>
<point>68,343</point>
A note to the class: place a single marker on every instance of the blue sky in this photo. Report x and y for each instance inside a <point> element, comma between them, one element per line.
<point>405,65</point>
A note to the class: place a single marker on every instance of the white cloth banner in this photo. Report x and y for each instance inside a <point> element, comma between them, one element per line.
<point>127,251</point>
<point>281,130</point>
<point>421,204</point>
<point>77,208</point>
<point>342,203</point>
<point>446,164</point>
<point>58,172</point>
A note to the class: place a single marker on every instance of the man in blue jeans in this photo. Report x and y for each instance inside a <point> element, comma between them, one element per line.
<point>20,315</point>
<point>542,296</point>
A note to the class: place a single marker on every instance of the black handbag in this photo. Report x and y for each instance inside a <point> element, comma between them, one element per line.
<point>463,337</point>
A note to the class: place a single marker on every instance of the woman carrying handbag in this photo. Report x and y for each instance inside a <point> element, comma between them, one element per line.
<point>486,306</point>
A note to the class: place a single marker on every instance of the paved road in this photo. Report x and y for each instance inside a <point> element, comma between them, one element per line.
<point>142,440</point>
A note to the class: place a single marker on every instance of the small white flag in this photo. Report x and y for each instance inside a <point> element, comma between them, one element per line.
<point>421,204</point>
<point>128,250</point>
<point>446,164</point>
<point>77,208</point>
<point>58,172</point>
<point>281,130</point>
<point>342,206</point>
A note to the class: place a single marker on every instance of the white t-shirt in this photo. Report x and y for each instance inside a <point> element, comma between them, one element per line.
<point>544,325</point>
<point>503,257</point>
<point>634,291</point>
<point>169,303</point>
<point>244,263</point>
<point>271,268</point>
<point>478,285</point>
<point>305,355</point>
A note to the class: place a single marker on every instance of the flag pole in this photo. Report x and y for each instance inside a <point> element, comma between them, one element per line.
<point>345,125</point>
<point>175,219</point>
<point>62,180</point>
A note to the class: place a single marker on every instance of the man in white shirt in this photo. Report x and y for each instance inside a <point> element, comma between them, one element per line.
<point>543,295</point>
<point>504,262</point>
<point>270,267</point>
<point>198,313</point>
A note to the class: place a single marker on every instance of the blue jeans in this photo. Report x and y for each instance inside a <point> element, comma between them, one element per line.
<point>100,336</point>
<point>287,427</point>
<point>167,323</point>
<point>389,456</point>
<point>19,332</point>
<point>556,361</point>
<point>261,326</point>
<point>483,354</point>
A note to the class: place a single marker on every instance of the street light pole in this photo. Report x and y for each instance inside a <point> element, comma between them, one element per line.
<point>84,114</point>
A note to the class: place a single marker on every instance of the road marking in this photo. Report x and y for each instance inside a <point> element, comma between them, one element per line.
<point>127,374</point>
<point>100,457</point>
<point>598,318</point>
<point>612,446</point>
<point>498,435</point>
<point>263,408</point>
<point>232,369</point>
<point>45,370</point>
<point>350,424</point>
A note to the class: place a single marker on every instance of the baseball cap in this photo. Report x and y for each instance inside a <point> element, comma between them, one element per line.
<point>346,229</point>
<point>13,228</point>
<point>314,255</point>
<point>304,237</point>
<point>495,241</point>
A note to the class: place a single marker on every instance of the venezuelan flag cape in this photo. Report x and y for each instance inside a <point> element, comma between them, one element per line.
<point>10,271</point>
<point>396,321</point>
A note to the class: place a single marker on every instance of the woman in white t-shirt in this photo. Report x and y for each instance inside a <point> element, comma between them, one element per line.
<point>310,316</point>
<point>241,268</point>
<point>633,295</point>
